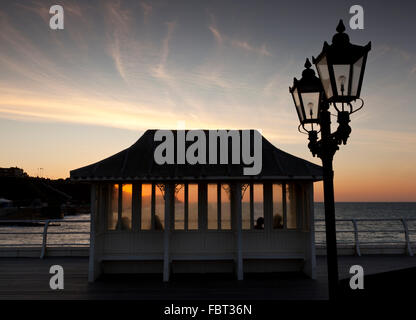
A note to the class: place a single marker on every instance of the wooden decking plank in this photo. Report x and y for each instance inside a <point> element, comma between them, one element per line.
<point>28,278</point>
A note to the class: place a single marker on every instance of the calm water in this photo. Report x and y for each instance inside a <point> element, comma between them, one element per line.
<point>370,210</point>
<point>344,210</point>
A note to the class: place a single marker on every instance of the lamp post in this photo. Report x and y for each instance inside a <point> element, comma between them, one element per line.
<point>340,68</point>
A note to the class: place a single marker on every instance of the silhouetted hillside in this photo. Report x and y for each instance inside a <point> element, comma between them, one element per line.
<point>23,191</point>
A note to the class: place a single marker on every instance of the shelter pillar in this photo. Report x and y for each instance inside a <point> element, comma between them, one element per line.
<point>238,232</point>
<point>169,202</point>
<point>93,208</point>
<point>310,263</point>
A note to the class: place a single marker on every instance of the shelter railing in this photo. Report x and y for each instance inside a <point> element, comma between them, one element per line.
<point>385,231</point>
<point>355,232</point>
<point>42,229</point>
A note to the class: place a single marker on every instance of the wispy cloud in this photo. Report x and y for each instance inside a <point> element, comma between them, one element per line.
<point>214,29</point>
<point>84,110</point>
<point>393,141</point>
<point>247,47</point>
<point>119,20</point>
<point>221,39</point>
<point>147,10</point>
<point>217,35</point>
<point>160,71</point>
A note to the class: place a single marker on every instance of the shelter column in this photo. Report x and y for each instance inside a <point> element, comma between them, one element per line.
<point>169,201</point>
<point>93,209</point>
<point>238,226</point>
<point>310,265</point>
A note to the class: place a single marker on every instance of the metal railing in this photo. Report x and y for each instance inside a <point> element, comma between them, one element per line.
<point>45,224</point>
<point>404,230</point>
<point>354,224</point>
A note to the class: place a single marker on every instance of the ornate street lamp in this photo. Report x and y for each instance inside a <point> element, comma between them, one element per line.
<point>307,93</point>
<point>340,68</point>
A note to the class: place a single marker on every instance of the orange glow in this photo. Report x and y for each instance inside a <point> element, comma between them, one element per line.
<point>193,193</point>
<point>128,188</point>
<point>69,99</point>
<point>146,190</point>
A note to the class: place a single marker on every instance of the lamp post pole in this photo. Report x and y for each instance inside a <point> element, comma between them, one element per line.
<point>326,153</point>
<point>341,68</point>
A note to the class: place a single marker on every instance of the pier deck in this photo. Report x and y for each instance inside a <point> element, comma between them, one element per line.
<point>28,278</point>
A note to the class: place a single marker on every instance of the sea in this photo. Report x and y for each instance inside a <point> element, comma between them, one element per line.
<point>377,222</point>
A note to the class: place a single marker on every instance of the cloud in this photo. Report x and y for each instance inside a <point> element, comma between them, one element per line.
<point>119,26</point>
<point>147,10</point>
<point>217,35</point>
<point>247,47</point>
<point>214,29</point>
<point>84,110</point>
<point>394,142</point>
<point>160,71</point>
<point>57,94</point>
<point>236,43</point>
<point>215,78</point>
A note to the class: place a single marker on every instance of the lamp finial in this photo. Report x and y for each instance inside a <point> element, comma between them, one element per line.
<point>341,39</point>
<point>340,27</point>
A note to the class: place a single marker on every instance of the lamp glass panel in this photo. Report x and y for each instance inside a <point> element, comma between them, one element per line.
<point>297,104</point>
<point>356,72</point>
<point>296,97</point>
<point>311,104</point>
<point>342,78</point>
<point>323,71</point>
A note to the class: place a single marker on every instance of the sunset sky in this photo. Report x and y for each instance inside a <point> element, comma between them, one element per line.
<point>75,96</point>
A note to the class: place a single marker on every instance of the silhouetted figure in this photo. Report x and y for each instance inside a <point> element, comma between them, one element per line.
<point>277,221</point>
<point>158,224</point>
<point>125,223</point>
<point>259,223</point>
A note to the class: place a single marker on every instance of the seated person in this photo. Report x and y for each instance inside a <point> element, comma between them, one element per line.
<point>277,221</point>
<point>259,223</point>
<point>125,223</point>
<point>158,224</point>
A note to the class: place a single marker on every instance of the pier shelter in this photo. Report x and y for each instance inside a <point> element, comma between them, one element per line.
<point>200,218</point>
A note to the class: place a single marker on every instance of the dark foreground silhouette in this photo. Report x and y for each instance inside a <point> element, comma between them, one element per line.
<point>394,285</point>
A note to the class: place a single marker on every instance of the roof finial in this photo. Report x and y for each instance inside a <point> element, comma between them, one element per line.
<point>308,64</point>
<point>340,27</point>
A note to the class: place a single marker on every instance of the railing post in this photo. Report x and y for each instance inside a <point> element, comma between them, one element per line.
<point>356,240</point>
<point>406,235</point>
<point>44,240</point>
